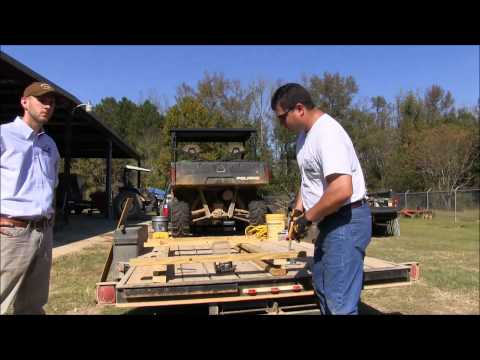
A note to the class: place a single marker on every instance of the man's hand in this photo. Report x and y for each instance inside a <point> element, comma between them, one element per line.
<point>293,214</point>
<point>300,226</point>
<point>296,213</point>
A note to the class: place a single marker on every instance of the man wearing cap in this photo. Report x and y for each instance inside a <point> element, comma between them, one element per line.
<point>29,161</point>
<point>332,193</point>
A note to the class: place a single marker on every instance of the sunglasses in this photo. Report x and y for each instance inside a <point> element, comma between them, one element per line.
<point>283,117</point>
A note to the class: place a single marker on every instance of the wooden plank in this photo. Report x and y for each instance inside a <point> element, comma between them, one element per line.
<point>283,246</point>
<point>203,240</point>
<point>196,271</point>
<point>263,265</point>
<point>149,274</point>
<point>127,276</point>
<point>141,275</point>
<point>389,285</point>
<point>378,263</point>
<point>271,268</point>
<point>123,216</point>
<point>107,265</point>
<point>247,270</point>
<point>159,274</point>
<point>214,258</point>
<point>108,262</point>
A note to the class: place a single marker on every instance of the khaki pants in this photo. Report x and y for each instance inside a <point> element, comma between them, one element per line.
<point>25,263</point>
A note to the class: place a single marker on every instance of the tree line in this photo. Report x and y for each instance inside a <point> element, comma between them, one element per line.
<point>416,142</point>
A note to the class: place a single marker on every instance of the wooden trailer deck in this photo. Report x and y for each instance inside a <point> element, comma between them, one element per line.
<point>181,271</point>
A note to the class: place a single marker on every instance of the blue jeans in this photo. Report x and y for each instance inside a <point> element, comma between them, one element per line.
<point>338,259</point>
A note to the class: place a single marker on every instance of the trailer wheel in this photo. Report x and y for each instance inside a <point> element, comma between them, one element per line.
<point>135,210</point>
<point>180,218</point>
<point>256,212</point>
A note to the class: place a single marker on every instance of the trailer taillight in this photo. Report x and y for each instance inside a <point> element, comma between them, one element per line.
<point>297,288</point>
<point>273,290</point>
<point>165,210</point>
<point>106,293</point>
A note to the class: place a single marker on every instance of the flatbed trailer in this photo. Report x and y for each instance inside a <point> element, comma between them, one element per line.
<point>269,276</point>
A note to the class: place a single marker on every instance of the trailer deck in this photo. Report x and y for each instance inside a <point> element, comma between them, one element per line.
<point>181,271</point>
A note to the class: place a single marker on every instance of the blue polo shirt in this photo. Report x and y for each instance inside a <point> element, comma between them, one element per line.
<point>28,171</point>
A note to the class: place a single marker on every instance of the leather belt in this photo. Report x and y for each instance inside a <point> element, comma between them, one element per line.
<point>12,222</point>
<point>356,204</point>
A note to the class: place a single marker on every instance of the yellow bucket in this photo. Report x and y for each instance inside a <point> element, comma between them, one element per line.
<point>275,224</point>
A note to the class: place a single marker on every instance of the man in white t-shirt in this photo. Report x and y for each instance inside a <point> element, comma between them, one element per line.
<point>332,194</point>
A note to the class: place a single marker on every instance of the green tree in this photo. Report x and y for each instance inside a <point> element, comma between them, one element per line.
<point>438,105</point>
<point>446,155</point>
<point>333,93</point>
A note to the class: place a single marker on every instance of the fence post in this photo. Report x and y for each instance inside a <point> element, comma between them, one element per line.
<point>406,192</point>
<point>427,196</point>
<point>455,200</point>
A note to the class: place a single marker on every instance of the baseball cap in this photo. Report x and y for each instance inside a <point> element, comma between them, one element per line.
<point>39,89</point>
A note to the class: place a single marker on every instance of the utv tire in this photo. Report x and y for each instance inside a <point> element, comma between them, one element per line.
<point>256,212</point>
<point>119,201</point>
<point>181,217</point>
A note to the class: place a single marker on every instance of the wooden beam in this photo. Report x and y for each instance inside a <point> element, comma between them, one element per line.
<point>387,285</point>
<point>203,240</point>
<point>125,209</point>
<point>213,258</point>
<point>108,263</point>
<point>159,274</point>
<point>263,265</point>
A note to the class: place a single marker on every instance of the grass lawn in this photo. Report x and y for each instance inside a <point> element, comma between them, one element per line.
<point>73,279</point>
<point>449,278</point>
<point>449,268</point>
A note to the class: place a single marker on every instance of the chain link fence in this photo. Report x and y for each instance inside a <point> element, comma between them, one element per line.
<point>460,205</point>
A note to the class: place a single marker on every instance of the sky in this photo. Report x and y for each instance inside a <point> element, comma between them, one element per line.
<point>94,72</point>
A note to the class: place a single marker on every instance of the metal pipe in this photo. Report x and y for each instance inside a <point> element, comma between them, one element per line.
<point>406,192</point>
<point>455,200</point>
<point>108,180</point>
<point>67,164</point>
<point>427,196</point>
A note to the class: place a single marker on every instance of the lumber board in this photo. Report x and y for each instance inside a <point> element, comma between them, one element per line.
<point>125,209</point>
<point>270,268</point>
<point>107,265</point>
<point>388,285</point>
<point>141,275</point>
<point>235,239</point>
<point>127,276</point>
<point>248,270</point>
<point>263,264</point>
<point>196,271</point>
<point>378,263</point>
<point>214,258</point>
<point>108,262</point>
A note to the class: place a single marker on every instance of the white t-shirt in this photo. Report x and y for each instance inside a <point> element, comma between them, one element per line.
<point>324,150</point>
